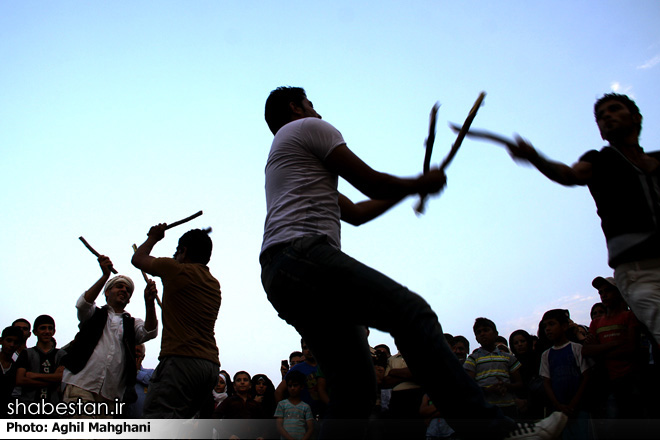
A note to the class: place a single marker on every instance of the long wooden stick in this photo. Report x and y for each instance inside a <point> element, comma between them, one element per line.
<point>91,249</point>
<point>146,279</point>
<point>419,209</point>
<point>187,219</point>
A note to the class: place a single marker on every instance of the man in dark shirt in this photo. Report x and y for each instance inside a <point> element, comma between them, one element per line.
<point>625,184</point>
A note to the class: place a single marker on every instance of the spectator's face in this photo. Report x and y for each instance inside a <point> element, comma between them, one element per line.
<point>295,360</point>
<point>460,350</point>
<point>10,344</point>
<point>25,327</point>
<point>221,386</point>
<point>307,353</point>
<point>554,331</point>
<point>485,336</point>
<point>609,295</point>
<point>519,343</point>
<point>260,388</point>
<point>242,383</point>
<point>294,389</point>
<point>598,312</point>
<point>44,333</point>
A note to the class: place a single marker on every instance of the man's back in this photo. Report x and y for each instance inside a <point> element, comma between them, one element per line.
<point>191,301</point>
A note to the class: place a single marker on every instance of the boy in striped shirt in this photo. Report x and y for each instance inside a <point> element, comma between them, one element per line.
<point>496,371</point>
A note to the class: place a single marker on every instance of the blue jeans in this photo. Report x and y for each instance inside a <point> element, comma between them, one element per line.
<point>330,297</point>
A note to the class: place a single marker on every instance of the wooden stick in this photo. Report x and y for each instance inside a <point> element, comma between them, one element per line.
<point>419,209</point>
<point>91,249</point>
<point>146,279</point>
<point>187,219</point>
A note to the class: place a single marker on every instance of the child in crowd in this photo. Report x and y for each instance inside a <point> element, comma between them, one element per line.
<point>565,374</point>
<point>38,369</point>
<point>495,370</point>
<point>294,417</point>
<point>12,338</point>
<point>615,340</point>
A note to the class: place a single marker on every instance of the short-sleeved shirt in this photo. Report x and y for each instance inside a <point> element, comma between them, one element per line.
<point>628,204</point>
<point>564,366</point>
<point>191,301</point>
<point>301,193</point>
<point>295,417</point>
<point>491,367</point>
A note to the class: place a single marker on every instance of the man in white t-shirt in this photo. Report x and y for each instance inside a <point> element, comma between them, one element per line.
<point>330,297</point>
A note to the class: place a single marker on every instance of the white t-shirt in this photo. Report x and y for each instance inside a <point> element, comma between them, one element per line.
<point>301,194</point>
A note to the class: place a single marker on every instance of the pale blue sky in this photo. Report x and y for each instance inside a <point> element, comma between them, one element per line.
<point>115,116</point>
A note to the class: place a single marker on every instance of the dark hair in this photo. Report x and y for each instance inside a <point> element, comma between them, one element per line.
<point>242,372</point>
<point>296,377</point>
<point>295,354</point>
<point>560,315</point>
<point>23,320</point>
<point>13,331</point>
<point>386,347</point>
<point>483,322</point>
<point>462,339</point>
<point>198,245</point>
<point>525,335</point>
<point>449,338</point>
<point>278,112</point>
<point>501,339</point>
<point>623,99</point>
<point>43,319</point>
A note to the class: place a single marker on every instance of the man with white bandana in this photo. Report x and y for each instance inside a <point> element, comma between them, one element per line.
<point>100,362</point>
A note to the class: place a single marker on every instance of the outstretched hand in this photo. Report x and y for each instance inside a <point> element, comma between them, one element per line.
<point>522,150</point>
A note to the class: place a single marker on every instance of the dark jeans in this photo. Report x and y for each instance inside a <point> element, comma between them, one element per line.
<point>179,387</point>
<point>330,297</point>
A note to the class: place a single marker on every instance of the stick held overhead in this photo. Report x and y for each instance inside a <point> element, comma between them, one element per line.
<point>146,279</point>
<point>187,219</point>
<point>91,249</point>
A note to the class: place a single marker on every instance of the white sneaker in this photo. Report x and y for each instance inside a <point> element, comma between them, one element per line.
<point>546,429</point>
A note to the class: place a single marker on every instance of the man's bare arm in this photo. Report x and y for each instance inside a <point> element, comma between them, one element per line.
<point>578,174</point>
<point>142,258</point>
<point>377,185</point>
<point>362,212</point>
<point>93,292</point>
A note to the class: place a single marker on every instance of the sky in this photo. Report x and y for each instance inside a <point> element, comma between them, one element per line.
<point>118,115</point>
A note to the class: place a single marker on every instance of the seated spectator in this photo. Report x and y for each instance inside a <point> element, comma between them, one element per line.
<point>38,369</point>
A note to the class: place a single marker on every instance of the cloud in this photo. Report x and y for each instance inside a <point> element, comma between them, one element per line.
<point>650,63</point>
<point>617,87</point>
